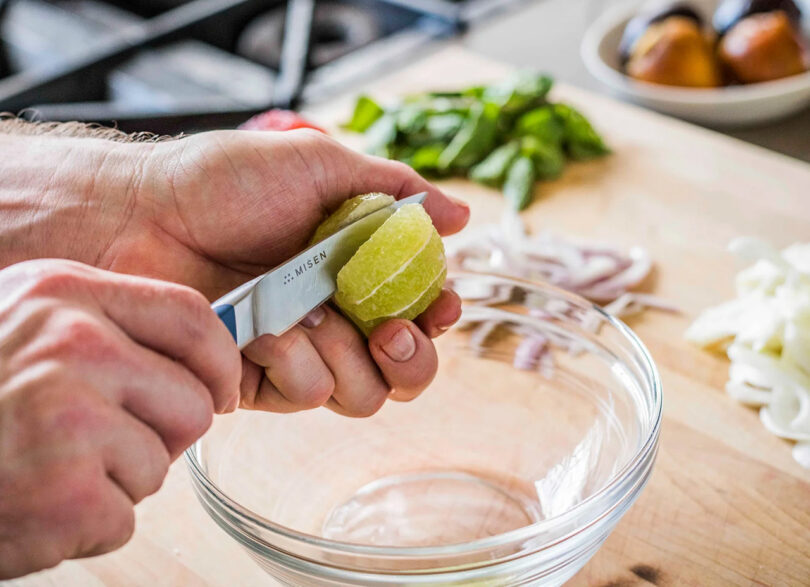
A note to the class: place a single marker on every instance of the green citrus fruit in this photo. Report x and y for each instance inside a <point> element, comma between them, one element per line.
<point>349,211</point>
<point>396,273</point>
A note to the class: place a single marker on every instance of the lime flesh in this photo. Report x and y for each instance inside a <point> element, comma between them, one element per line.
<point>396,273</point>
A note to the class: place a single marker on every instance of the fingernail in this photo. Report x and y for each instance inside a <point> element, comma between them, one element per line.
<point>401,347</point>
<point>314,318</point>
<point>233,404</point>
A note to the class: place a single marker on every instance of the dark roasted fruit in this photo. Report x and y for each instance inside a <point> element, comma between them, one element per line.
<point>761,48</point>
<point>656,13</point>
<point>730,12</point>
<point>674,52</point>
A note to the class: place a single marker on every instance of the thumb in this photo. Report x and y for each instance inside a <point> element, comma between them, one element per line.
<point>376,174</point>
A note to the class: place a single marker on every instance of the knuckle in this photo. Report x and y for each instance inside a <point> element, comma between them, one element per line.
<point>318,392</point>
<point>401,168</point>
<point>70,417</point>
<point>194,307</point>
<point>18,559</point>
<point>372,402</point>
<point>78,335</point>
<point>188,297</point>
<point>82,489</point>
<point>283,349</point>
<point>309,134</point>
<point>123,527</point>
<point>49,278</point>
<point>345,348</point>
<point>110,526</point>
<point>195,420</point>
<point>161,469</point>
<point>158,461</point>
<point>72,421</point>
<point>106,520</point>
<point>233,371</point>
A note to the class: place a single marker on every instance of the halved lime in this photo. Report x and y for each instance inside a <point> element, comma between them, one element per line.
<point>396,273</point>
<point>349,211</point>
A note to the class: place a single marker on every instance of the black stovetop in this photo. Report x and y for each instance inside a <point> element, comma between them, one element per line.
<point>171,66</point>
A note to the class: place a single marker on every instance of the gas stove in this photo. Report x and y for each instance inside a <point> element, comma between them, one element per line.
<point>169,66</point>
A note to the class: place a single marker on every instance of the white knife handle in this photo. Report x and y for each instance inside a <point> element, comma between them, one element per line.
<point>235,309</point>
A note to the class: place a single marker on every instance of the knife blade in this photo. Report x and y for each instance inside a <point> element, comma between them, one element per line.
<point>274,302</point>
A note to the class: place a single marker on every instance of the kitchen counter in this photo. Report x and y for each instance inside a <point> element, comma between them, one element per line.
<point>726,503</point>
<point>545,34</point>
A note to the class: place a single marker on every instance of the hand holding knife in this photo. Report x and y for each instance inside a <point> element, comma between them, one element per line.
<point>274,302</point>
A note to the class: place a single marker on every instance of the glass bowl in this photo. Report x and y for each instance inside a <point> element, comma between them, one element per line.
<point>536,436</point>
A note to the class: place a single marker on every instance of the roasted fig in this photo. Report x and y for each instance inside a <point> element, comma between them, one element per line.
<point>674,52</point>
<point>655,13</point>
<point>730,12</point>
<point>763,47</point>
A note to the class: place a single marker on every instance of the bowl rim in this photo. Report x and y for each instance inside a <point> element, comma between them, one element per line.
<point>618,16</point>
<point>620,479</point>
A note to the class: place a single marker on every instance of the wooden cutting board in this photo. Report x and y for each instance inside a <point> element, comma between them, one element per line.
<point>726,504</point>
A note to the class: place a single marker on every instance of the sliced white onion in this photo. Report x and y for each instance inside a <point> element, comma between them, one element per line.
<point>783,416</point>
<point>745,393</point>
<point>766,330</point>
<point>752,249</point>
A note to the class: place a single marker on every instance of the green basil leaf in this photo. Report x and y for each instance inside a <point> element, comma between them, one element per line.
<point>580,139</point>
<point>519,92</point>
<point>519,185</point>
<point>548,158</point>
<point>366,113</point>
<point>382,135</point>
<point>426,159</point>
<point>492,170</point>
<point>542,123</point>
<point>474,140</point>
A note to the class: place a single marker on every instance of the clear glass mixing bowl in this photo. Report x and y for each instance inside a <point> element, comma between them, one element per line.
<point>511,469</point>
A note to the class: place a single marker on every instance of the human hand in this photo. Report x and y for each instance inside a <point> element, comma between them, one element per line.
<point>223,207</point>
<point>216,209</point>
<point>99,391</point>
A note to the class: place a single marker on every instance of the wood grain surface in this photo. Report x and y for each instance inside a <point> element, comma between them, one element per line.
<point>726,504</point>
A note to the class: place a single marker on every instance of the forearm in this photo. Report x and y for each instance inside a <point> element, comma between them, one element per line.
<point>64,193</point>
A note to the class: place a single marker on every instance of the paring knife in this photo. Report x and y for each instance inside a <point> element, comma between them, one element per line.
<point>274,302</point>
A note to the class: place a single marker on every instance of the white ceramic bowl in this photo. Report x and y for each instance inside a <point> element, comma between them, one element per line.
<point>729,106</point>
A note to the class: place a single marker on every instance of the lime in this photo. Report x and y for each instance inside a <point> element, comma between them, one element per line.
<point>396,273</point>
<point>349,211</point>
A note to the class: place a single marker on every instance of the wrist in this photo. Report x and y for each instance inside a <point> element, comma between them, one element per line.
<point>66,197</point>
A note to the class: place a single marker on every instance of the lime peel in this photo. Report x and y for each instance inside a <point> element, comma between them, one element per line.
<point>349,211</point>
<point>397,273</point>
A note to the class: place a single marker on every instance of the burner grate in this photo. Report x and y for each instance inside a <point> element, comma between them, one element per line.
<point>173,66</point>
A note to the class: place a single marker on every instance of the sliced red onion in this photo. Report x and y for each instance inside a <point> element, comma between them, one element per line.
<point>529,351</point>
<point>614,286</point>
<point>474,289</point>
<point>540,313</point>
<point>597,271</point>
<point>619,305</point>
<point>652,301</point>
<point>597,268</point>
<point>479,336</point>
<point>546,365</point>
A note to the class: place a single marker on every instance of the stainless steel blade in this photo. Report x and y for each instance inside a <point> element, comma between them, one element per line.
<point>282,297</point>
